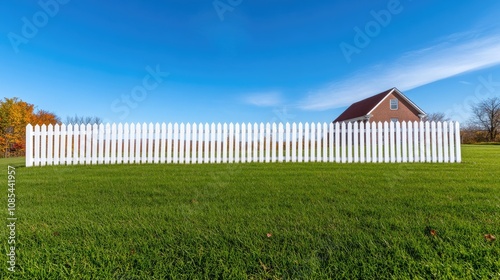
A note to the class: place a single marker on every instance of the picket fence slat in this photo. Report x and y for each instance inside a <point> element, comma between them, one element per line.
<point>437,142</point>
<point>29,145</point>
<point>457,143</point>
<point>408,140</point>
<point>368,143</point>
<point>359,138</point>
<point>82,154</point>
<point>293,146</point>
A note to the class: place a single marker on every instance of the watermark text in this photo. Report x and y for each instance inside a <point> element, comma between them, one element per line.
<point>485,88</point>
<point>363,37</point>
<point>38,20</point>
<point>223,6</point>
<point>11,219</point>
<point>139,93</point>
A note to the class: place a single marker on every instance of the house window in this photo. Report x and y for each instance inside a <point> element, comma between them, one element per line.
<point>394,120</point>
<point>394,104</point>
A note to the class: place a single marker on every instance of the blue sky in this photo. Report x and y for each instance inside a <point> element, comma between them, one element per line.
<point>245,61</point>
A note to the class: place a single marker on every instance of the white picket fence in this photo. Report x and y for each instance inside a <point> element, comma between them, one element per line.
<point>232,143</point>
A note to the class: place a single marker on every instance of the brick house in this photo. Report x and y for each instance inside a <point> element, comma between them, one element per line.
<point>390,105</point>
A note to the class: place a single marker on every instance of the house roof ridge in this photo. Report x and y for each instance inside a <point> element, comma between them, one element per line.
<point>362,107</point>
<point>365,107</point>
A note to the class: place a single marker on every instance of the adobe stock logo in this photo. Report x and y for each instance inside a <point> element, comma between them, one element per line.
<point>39,19</point>
<point>139,93</point>
<point>221,7</point>
<point>372,29</point>
<point>485,88</point>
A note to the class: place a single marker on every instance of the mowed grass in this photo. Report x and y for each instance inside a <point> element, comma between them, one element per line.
<point>259,221</point>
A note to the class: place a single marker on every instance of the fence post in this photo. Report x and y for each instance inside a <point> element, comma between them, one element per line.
<point>439,142</point>
<point>135,148</point>
<point>281,132</point>
<point>294,142</point>
<point>62,145</point>
<point>410,143</point>
<point>319,134</point>
<point>69,144</point>
<point>416,155</point>
<point>398,140</point>
<point>312,140</point>
<point>373,127</point>
<point>182,134</point>
<point>445,142</point>
<point>428,154</point>
<point>404,141</point>
<point>325,142</point>
<point>144,142</point>
<point>458,142</point>
<point>256,142</point>
<point>268,142</point>
<point>95,129</point>
<point>50,144</point>
<point>243,150</point>
<point>107,145</point>
<point>225,143</point>
<point>166,150</point>
<point>392,141</point>
<point>175,139</point>
<point>201,145</point>
<point>362,138</point>
<point>126,142</point>
<point>249,141</point>
<point>212,143</point>
<point>330,142</point>
<point>88,138</point>
<point>57,137</point>
<point>287,142</point>
<point>82,149</point>
<point>349,142</point>
<point>434,142</point>
<point>343,145</point>
<point>237,142</point>
<point>100,144</point>
<point>29,145</point>
<point>337,142</point>
<point>368,134</point>
<point>188,154</point>
<point>231,143</point>
<point>422,142</point>
<point>300,144</point>
<point>355,141</point>
<point>387,142</point>
<point>307,133</point>
<point>168,142</point>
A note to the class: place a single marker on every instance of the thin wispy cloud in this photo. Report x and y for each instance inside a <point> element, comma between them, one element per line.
<point>458,53</point>
<point>264,99</point>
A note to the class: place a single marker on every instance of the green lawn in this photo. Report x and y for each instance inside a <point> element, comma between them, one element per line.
<point>258,221</point>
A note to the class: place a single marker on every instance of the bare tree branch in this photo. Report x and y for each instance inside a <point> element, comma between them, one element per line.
<point>436,117</point>
<point>83,120</point>
<point>486,116</point>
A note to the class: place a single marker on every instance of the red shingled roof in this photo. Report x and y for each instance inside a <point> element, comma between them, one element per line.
<point>363,107</point>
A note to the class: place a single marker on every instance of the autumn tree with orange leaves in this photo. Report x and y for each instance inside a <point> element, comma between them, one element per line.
<point>15,114</point>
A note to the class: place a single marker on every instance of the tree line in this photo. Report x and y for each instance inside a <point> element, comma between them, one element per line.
<point>484,124</point>
<point>16,114</point>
